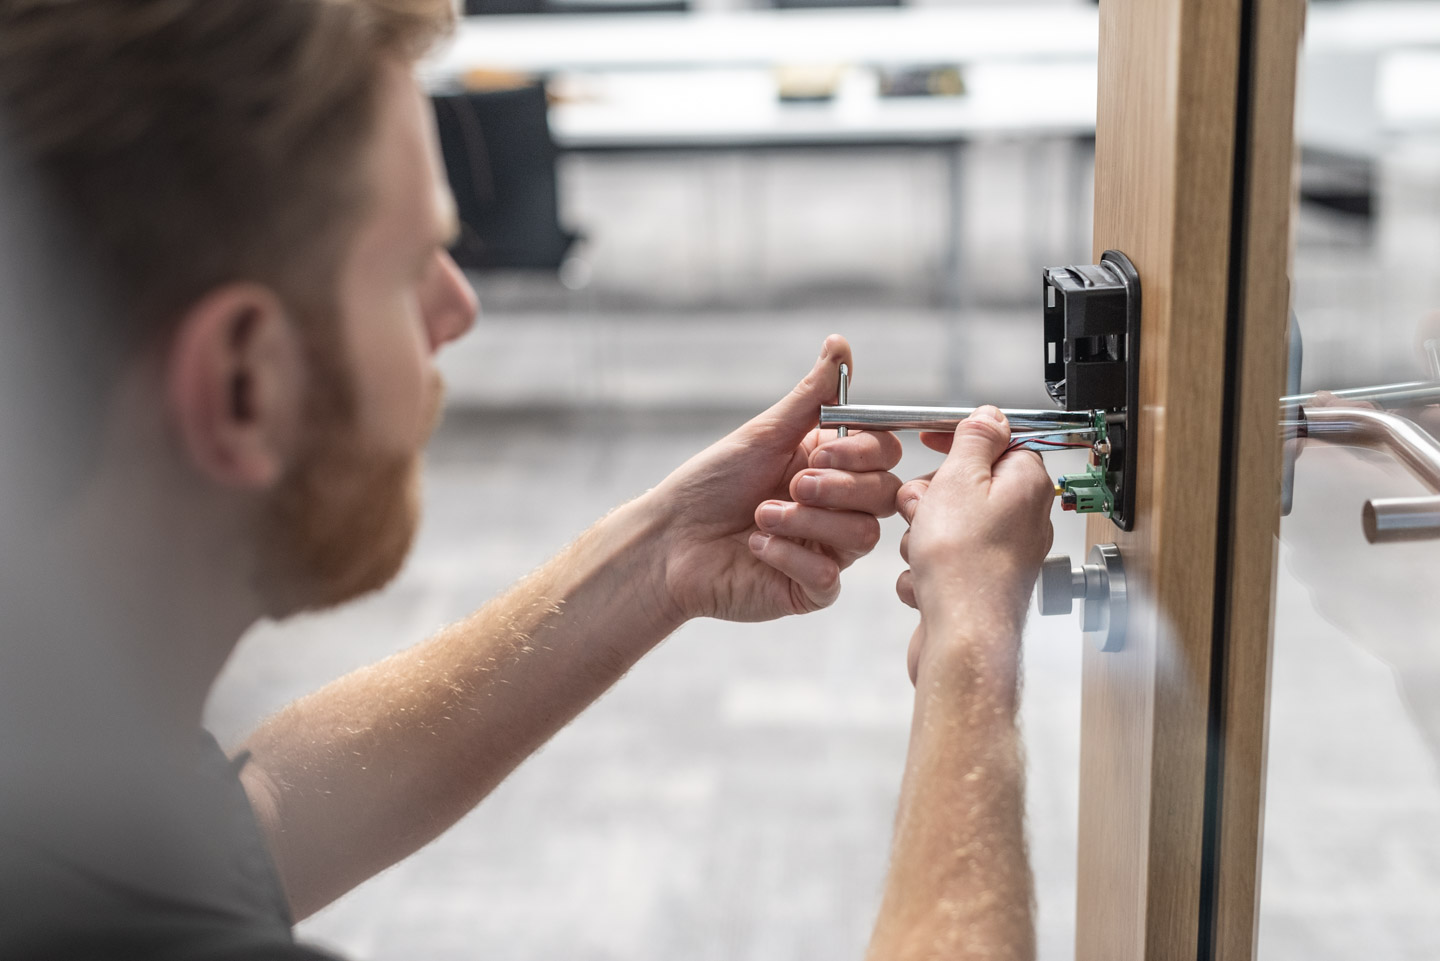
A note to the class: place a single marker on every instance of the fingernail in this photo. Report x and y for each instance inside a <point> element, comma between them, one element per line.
<point>770,515</point>
<point>808,487</point>
<point>822,458</point>
<point>758,541</point>
<point>907,507</point>
<point>992,412</point>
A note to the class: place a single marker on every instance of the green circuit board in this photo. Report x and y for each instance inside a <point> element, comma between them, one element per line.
<point>1091,491</point>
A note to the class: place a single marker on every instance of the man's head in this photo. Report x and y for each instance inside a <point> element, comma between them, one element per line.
<point>257,184</point>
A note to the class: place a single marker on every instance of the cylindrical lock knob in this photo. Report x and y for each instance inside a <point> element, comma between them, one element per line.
<point>1099,586</point>
<point>1056,590</point>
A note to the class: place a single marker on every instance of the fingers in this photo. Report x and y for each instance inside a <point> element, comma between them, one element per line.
<point>907,498</point>
<point>1025,469</point>
<point>905,588</point>
<point>865,451</point>
<point>816,574</point>
<point>937,441</point>
<point>847,534</point>
<point>795,414</point>
<point>979,441</point>
<point>872,492</point>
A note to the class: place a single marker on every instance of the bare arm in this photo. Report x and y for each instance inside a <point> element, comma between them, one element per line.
<point>362,773</point>
<point>959,885</point>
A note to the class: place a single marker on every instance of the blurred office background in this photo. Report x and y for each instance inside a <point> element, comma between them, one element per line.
<point>661,238</point>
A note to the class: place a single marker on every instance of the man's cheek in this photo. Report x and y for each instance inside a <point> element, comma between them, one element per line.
<point>397,406</point>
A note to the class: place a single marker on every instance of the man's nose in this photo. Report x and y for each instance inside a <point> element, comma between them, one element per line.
<point>453,304</point>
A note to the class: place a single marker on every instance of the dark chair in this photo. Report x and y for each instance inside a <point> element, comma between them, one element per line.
<point>475,8</point>
<point>818,4</point>
<point>479,8</point>
<point>500,159</point>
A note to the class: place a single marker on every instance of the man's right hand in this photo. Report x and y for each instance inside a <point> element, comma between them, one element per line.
<point>959,883</point>
<point>979,530</point>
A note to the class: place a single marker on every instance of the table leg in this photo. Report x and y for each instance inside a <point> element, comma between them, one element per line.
<point>954,293</point>
<point>1082,150</point>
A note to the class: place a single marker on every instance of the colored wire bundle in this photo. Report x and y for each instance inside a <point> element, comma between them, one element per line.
<point>1052,444</point>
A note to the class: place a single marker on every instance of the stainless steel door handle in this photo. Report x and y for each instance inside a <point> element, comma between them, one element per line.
<point>1391,518</point>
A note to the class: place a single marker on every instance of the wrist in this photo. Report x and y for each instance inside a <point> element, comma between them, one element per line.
<point>994,607</point>
<point>650,526</point>
<point>974,659</point>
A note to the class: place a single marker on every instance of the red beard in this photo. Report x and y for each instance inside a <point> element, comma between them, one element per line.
<point>341,522</point>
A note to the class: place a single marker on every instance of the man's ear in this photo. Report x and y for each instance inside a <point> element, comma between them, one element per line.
<point>234,384</point>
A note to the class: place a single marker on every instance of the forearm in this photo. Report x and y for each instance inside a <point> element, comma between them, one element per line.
<point>959,885</point>
<point>367,770</point>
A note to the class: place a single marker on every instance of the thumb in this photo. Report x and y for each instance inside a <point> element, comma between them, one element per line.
<point>980,440</point>
<point>797,412</point>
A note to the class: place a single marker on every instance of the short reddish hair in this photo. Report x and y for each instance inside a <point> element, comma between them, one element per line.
<point>194,142</point>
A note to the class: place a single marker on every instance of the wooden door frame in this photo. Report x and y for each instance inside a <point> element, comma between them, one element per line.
<point>1194,153</point>
<point>1240,693</point>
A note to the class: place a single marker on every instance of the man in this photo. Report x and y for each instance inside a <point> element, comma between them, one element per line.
<point>258,184</point>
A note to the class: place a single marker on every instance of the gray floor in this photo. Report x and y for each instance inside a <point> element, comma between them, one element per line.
<point>732,797</point>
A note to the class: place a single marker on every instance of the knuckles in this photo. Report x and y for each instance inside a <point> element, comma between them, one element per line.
<point>905,588</point>
<point>995,431</point>
<point>827,581</point>
<point>871,535</point>
<point>873,492</point>
<point>860,452</point>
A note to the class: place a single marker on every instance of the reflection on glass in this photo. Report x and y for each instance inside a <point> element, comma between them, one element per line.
<point>1352,824</point>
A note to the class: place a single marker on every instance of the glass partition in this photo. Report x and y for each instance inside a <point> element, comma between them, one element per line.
<point>1351,859</point>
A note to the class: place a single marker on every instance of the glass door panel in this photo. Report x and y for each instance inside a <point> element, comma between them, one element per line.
<point>1351,853</point>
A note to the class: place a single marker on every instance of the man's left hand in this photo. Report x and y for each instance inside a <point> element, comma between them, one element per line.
<point>763,522</point>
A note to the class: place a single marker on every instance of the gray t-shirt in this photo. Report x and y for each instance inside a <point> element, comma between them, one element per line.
<point>165,864</point>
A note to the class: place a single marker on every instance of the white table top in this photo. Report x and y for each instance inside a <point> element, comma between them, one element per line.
<point>719,108</point>
<point>554,43</point>
<point>762,38</point>
<point>654,81</point>
<point>1373,26</point>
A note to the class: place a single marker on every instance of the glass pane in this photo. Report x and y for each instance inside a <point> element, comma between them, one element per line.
<point>1352,825</point>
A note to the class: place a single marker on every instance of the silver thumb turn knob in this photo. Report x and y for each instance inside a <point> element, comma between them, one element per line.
<point>1059,586</point>
<point>1099,586</point>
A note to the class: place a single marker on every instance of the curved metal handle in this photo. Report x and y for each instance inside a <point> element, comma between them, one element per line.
<point>1390,518</point>
<point>1415,393</point>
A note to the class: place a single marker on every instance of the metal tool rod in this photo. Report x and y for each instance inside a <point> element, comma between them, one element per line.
<point>1417,393</point>
<point>844,396</point>
<point>944,419</point>
<point>1392,518</point>
<point>1432,357</point>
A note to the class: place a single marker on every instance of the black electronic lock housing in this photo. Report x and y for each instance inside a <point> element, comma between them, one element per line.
<point>1092,361</point>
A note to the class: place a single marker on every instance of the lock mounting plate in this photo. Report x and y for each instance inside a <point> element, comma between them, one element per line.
<point>1092,362</point>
